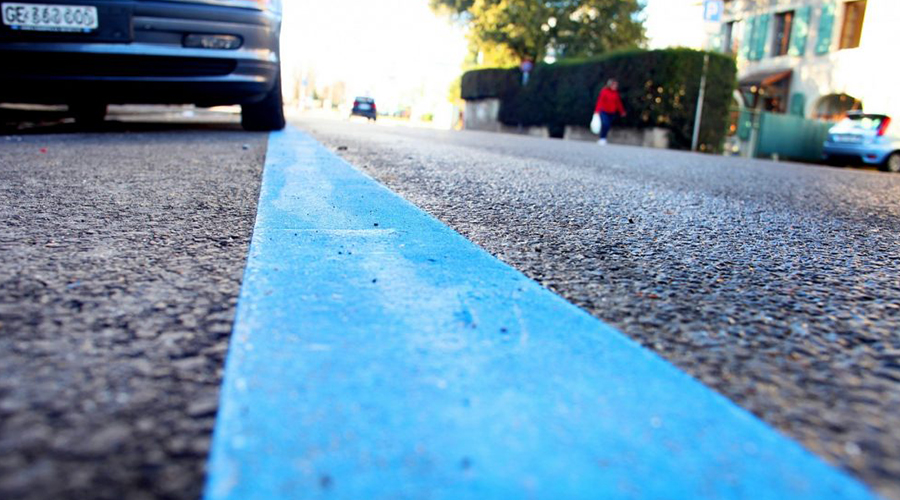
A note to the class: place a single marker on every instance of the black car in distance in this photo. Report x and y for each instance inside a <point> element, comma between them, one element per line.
<point>364,106</point>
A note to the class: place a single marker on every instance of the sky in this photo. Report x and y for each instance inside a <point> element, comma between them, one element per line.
<point>674,23</point>
<point>375,46</point>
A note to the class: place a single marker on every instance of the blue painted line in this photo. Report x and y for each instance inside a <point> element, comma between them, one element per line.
<point>378,354</point>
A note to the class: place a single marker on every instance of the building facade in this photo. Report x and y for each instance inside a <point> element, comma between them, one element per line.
<point>814,58</point>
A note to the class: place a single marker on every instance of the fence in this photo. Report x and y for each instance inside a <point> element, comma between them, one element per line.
<point>770,135</point>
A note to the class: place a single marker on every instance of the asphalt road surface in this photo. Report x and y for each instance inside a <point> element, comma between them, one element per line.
<point>774,283</point>
<point>123,248</point>
<point>122,256</point>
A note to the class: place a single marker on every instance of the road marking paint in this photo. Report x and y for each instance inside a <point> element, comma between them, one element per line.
<point>377,353</point>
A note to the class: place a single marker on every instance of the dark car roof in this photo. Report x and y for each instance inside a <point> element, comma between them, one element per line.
<point>860,114</point>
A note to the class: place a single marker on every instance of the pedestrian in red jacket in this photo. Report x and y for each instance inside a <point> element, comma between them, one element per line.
<point>609,104</point>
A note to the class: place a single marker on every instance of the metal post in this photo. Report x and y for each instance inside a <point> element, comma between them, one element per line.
<point>755,116</point>
<point>696,141</point>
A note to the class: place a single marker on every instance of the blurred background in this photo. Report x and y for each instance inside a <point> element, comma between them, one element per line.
<point>398,51</point>
<point>410,54</point>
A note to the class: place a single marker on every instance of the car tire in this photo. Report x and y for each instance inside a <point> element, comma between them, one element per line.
<point>88,114</point>
<point>267,114</point>
<point>892,163</point>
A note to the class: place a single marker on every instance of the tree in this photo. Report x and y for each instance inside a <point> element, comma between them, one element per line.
<point>536,29</point>
<point>454,7</point>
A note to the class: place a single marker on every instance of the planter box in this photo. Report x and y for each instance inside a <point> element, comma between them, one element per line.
<point>646,137</point>
<point>482,114</point>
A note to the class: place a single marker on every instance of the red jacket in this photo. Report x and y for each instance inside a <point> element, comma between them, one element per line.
<point>609,102</point>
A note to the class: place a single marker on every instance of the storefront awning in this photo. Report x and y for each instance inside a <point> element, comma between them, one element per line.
<point>765,79</point>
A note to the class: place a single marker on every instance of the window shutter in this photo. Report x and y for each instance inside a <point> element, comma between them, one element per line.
<point>800,31</point>
<point>760,36</point>
<point>745,124</point>
<point>826,29</point>
<point>747,42</point>
<point>798,104</point>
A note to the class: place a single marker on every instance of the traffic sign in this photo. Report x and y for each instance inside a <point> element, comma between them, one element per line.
<point>712,10</point>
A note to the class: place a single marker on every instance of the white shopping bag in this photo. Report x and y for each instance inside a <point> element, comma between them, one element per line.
<point>595,123</point>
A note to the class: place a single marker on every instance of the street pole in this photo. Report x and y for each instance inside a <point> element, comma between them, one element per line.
<point>695,142</point>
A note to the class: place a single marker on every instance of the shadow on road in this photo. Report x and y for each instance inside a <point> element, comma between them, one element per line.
<point>32,120</point>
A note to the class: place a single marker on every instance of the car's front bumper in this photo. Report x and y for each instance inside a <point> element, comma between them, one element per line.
<point>149,64</point>
<point>867,153</point>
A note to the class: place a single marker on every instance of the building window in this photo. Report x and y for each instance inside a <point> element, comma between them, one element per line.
<point>854,14</point>
<point>784,23</point>
<point>767,91</point>
<point>728,45</point>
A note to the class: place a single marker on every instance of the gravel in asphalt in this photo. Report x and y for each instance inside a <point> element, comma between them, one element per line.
<point>122,256</point>
<point>774,283</point>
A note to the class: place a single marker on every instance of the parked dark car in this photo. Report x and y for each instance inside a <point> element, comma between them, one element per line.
<point>364,106</point>
<point>91,53</point>
<point>864,138</point>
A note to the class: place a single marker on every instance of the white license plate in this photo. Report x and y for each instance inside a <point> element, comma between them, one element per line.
<point>365,107</point>
<point>48,17</point>
<point>852,139</point>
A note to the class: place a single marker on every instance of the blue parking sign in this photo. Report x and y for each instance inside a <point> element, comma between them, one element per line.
<point>712,10</point>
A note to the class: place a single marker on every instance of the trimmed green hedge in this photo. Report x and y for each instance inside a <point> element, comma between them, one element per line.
<point>659,89</point>
<point>487,83</point>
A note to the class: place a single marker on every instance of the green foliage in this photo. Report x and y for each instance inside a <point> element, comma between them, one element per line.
<point>534,29</point>
<point>491,82</point>
<point>454,92</point>
<point>488,55</point>
<point>659,89</point>
<point>455,7</point>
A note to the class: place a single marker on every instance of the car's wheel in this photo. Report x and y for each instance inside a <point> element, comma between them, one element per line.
<point>88,113</point>
<point>267,114</point>
<point>892,164</point>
